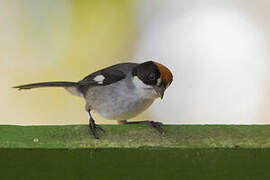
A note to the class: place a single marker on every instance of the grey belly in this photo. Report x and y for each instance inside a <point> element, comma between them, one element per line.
<point>116,104</point>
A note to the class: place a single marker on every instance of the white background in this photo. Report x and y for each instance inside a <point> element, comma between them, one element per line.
<point>218,52</point>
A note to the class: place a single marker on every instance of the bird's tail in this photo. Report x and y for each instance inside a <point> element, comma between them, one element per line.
<point>47,84</point>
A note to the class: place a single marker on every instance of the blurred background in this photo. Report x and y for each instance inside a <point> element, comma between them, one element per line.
<point>218,52</point>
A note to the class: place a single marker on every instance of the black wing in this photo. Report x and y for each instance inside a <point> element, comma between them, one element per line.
<point>110,74</point>
<point>109,78</point>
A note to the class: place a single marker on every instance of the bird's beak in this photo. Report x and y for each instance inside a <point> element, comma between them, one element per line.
<point>160,90</point>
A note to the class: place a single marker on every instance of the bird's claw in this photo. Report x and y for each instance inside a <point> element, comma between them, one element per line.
<point>93,128</point>
<point>157,126</point>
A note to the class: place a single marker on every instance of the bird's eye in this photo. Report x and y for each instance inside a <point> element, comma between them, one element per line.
<point>152,76</point>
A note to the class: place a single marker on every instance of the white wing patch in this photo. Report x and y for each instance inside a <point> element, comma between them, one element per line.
<point>99,79</point>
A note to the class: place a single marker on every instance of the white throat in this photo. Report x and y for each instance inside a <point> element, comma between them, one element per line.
<point>144,90</point>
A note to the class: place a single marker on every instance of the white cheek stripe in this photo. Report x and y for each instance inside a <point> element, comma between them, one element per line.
<point>99,79</point>
<point>139,84</point>
<point>159,81</point>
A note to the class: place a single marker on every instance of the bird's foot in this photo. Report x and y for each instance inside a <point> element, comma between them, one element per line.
<point>158,126</point>
<point>153,124</point>
<point>93,130</point>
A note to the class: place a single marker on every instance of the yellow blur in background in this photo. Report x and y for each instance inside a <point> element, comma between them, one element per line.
<point>218,52</point>
<point>58,40</point>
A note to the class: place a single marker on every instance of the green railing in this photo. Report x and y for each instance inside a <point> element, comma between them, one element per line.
<point>135,152</point>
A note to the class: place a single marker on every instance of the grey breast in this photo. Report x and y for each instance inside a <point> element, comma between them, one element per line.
<point>119,100</point>
<point>116,96</point>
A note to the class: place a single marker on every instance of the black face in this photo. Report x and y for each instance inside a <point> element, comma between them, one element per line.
<point>148,72</point>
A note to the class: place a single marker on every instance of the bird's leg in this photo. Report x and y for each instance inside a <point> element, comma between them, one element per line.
<point>93,127</point>
<point>153,124</point>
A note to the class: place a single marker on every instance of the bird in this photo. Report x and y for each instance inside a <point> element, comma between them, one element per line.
<point>119,92</point>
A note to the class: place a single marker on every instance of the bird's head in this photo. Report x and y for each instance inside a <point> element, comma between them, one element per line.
<point>153,75</point>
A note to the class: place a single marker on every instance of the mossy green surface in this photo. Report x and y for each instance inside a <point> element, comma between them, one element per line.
<point>136,136</point>
<point>188,152</point>
<point>137,164</point>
